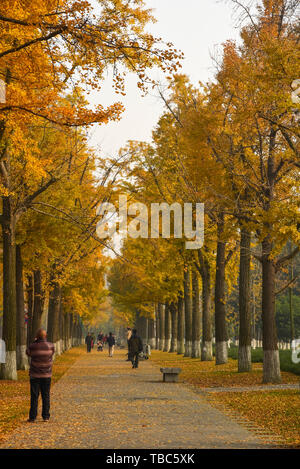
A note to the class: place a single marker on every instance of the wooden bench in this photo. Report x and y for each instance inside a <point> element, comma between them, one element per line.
<point>170,375</point>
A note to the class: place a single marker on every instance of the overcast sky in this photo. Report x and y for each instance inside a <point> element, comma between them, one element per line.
<point>196,27</point>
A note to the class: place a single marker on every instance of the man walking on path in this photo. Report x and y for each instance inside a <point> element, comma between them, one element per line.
<point>129,334</point>
<point>88,341</point>
<point>135,347</point>
<point>41,353</point>
<point>111,344</point>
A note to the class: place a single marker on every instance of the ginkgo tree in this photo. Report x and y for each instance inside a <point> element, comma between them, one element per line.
<point>45,47</point>
<point>256,78</point>
<point>232,144</point>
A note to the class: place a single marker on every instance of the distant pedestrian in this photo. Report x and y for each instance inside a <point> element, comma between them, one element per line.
<point>135,347</point>
<point>41,354</point>
<point>93,341</point>
<point>88,341</point>
<point>99,346</point>
<point>129,334</point>
<point>100,337</point>
<point>105,340</point>
<point>111,344</point>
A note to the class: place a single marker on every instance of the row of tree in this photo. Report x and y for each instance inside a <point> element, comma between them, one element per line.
<point>232,145</point>
<point>52,54</point>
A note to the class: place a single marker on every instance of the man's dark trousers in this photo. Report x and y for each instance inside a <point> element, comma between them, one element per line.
<point>135,359</point>
<point>37,385</point>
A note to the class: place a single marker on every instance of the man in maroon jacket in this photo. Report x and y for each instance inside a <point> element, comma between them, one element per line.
<point>41,354</point>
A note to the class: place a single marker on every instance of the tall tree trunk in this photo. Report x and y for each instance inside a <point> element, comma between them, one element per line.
<point>73,327</point>
<point>244,354</point>
<point>29,296</point>
<point>167,345</point>
<point>271,364</point>
<point>67,330</point>
<point>180,327</point>
<point>161,315</point>
<point>71,330</point>
<point>174,321</point>
<point>292,318</point>
<point>206,346</point>
<point>156,328</point>
<point>75,331</point>
<point>53,315</point>
<point>220,303</point>
<point>188,312</point>
<point>196,317</point>
<point>9,369</point>
<point>80,331</point>
<point>144,329</point>
<point>151,333</point>
<point>22,360</point>
<point>60,328</point>
<point>38,303</point>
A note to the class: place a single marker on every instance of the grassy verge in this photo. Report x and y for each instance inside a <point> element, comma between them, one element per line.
<point>207,374</point>
<point>278,411</point>
<point>15,395</point>
<point>286,363</point>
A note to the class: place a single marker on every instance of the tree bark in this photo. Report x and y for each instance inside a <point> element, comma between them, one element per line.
<point>206,346</point>
<point>53,315</point>
<point>161,315</point>
<point>196,317</point>
<point>244,353</point>
<point>151,332</point>
<point>156,328</point>
<point>22,360</point>
<point>167,345</point>
<point>9,369</point>
<point>180,327</point>
<point>174,321</point>
<point>71,342</point>
<point>60,329</point>
<point>188,312</point>
<point>144,329</point>
<point>29,295</point>
<point>220,301</point>
<point>38,303</point>
<point>271,364</point>
<point>67,330</point>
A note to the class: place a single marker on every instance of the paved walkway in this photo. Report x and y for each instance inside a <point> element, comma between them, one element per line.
<point>102,402</point>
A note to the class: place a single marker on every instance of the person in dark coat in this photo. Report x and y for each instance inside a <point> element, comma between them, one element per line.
<point>41,359</point>
<point>135,347</point>
<point>111,344</point>
<point>88,341</point>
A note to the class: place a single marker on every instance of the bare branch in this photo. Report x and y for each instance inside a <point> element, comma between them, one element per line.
<point>284,260</point>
